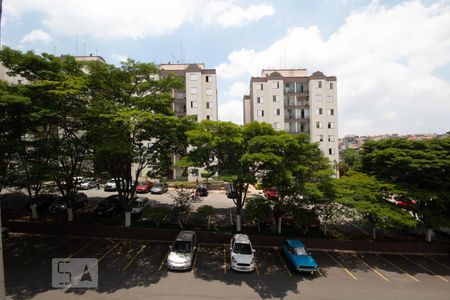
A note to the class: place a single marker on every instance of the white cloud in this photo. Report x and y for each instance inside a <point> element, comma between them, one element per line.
<point>113,19</point>
<point>119,57</point>
<point>237,90</point>
<point>36,35</point>
<point>384,60</point>
<point>231,111</point>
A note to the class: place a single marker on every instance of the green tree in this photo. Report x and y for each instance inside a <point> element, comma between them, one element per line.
<point>158,214</point>
<point>182,205</point>
<point>258,209</point>
<point>132,124</point>
<point>419,169</point>
<point>223,148</point>
<point>369,198</point>
<point>207,211</point>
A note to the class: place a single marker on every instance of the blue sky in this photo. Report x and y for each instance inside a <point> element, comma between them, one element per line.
<point>391,57</point>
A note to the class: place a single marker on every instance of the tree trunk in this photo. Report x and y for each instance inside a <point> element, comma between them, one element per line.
<point>127,219</point>
<point>209,222</point>
<point>428,235</point>
<point>238,222</point>
<point>279,225</point>
<point>374,233</point>
<point>70,214</point>
<point>34,214</point>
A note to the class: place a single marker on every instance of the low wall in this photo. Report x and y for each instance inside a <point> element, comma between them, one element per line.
<point>220,238</point>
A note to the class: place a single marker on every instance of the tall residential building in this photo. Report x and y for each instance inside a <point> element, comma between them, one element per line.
<point>296,102</point>
<point>199,98</point>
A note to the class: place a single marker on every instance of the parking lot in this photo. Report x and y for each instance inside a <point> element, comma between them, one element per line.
<point>134,269</point>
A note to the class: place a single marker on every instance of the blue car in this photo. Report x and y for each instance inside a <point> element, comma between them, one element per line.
<point>298,256</point>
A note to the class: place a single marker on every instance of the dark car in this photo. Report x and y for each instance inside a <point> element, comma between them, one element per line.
<point>144,187</point>
<point>43,202</point>
<point>201,190</point>
<point>109,206</point>
<point>159,188</point>
<point>59,206</point>
<point>138,205</point>
<point>231,191</point>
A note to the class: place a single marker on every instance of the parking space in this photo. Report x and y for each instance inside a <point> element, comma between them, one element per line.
<point>131,263</point>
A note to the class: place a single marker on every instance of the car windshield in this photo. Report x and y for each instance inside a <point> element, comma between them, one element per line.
<point>182,247</point>
<point>142,183</point>
<point>111,181</point>
<point>60,201</point>
<point>158,185</point>
<point>300,251</point>
<point>87,180</point>
<point>242,248</point>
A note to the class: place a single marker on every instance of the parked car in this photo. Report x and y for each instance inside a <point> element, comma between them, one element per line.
<point>43,202</point>
<point>405,203</point>
<point>144,187</point>
<point>59,206</point>
<point>271,193</point>
<point>138,205</point>
<point>109,206</point>
<point>242,253</point>
<point>182,251</point>
<point>231,191</point>
<point>201,190</point>
<point>87,183</point>
<point>297,255</point>
<point>110,186</point>
<point>159,188</point>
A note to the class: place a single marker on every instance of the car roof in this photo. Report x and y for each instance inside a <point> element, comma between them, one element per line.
<point>185,236</point>
<point>295,243</point>
<point>241,238</point>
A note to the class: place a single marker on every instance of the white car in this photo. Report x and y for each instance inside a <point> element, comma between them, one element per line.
<point>182,251</point>
<point>110,186</point>
<point>87,183</point>
<point>242,253</point>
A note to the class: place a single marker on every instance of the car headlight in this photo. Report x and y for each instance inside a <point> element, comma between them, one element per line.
<point>63,206</point>
<point>234,260</point>
<point>253,261</point>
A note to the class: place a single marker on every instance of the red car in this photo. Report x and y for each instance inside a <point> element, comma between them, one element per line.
<point>144,187</point>
<point>271,193</point>
<point>405,203</point>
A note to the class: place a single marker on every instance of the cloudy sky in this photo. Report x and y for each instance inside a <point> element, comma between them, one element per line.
<point>391,58</point>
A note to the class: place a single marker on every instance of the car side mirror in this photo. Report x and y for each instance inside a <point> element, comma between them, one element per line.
<point>170,247</point>
<point>231,249</point>
<point>254,250</point>
<point>195,248</point>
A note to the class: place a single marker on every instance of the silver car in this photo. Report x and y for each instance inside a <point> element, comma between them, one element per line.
<point>182,251</point>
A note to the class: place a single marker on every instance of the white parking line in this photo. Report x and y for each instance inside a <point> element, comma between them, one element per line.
<point>342,266</point>
<point>134,257</point>
<point>42,253</point>
<point>366,264</point>
<point>425,268</point>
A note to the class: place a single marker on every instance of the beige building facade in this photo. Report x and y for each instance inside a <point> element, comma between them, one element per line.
<point>292,100</point>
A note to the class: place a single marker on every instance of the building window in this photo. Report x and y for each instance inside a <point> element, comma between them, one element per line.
<point>331,138</point>
<point>194,104</point>
<point>319,111</point>
<point>259,100</point>
<point>330,112</point>
<point>207,78</point>
<point>331,85</point>
<point>276,125</point>
<point>330,99</point>
<point>260,113</point>
<point>320,138</point>
<point>276,85</point>
<point>331,151</point>
<point>330,125</point>
<point>276,112</point>
<point>209,92</point>
<point>208,117</point>
<point>193,77</point>
<point>259,87</point>
<point>194,91</point>
<point>209,105</point>
<point>319,125</point>
<point>302,128</point>
<point>319,84</point>
<point>318,98</point>
<point>275,98</point>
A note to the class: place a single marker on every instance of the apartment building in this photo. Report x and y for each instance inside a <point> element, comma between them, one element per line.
<point>296,102</point>
<point>198,99</point>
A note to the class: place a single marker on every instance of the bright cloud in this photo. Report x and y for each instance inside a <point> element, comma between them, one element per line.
<point>36,35</point>
<point>384,60</point>
<point>231,111</point>
<point>113,19</point>
<point>237,90</point>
